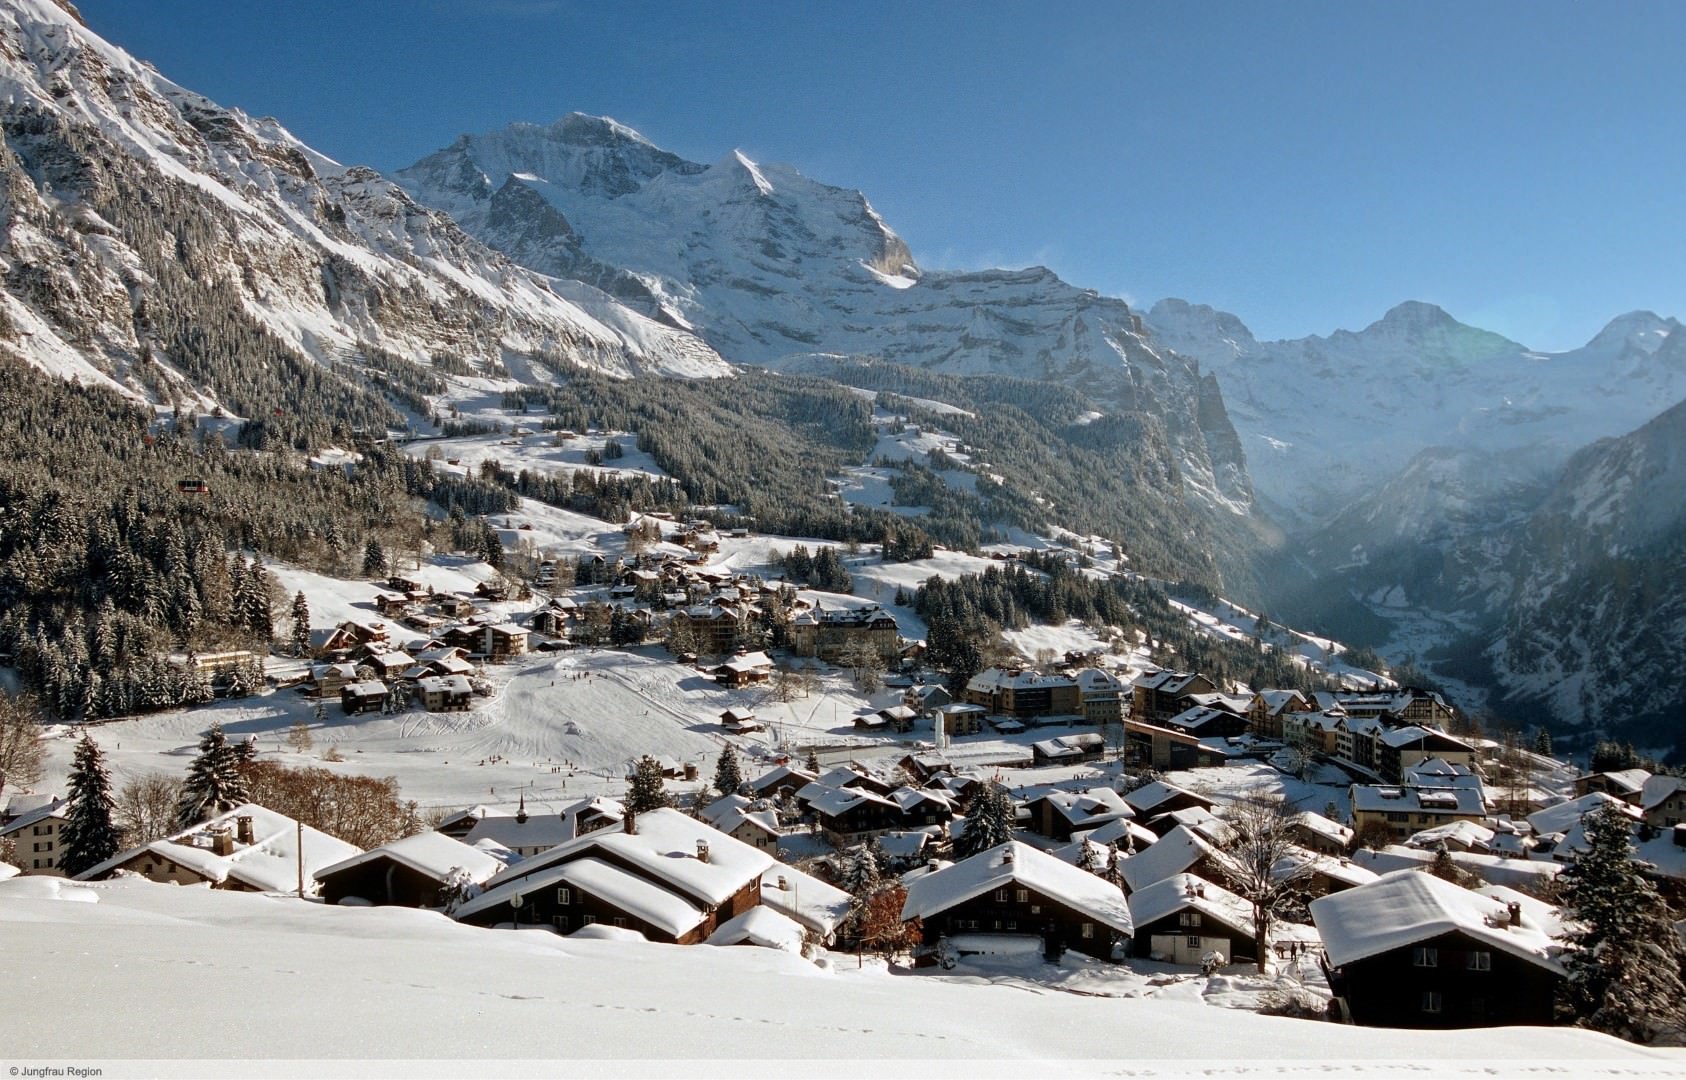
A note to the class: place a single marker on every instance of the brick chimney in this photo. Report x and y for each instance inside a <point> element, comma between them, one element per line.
<point>1007,855</point>
<point>1515,910</point>
<point>702,850</point>
<point>629,822</point>
<point>243,829</point>
<point>222,842</point>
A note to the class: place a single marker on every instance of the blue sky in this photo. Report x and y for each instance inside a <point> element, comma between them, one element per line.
<point>1304,164</point>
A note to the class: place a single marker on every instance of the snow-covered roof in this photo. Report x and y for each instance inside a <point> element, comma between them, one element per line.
<point>607,932</point>
<point>1014,679</point>
<point>1145,798</point>
<point>270,863</point>
<point>1091,807</point>
<point>1465,802</point>
<point>1496,869</point>
<point>760,926</point>
<point>372,688</point>
<point>1565,816</point>
<point>7,870</point>
<point>1336,869</point>
<point>733,811</point>
<point>1175,852</point>
<point>444,684</point>
<point>1403,738</point>
<point>431,853</point>
<point>1406,906</point>
<point>1206,824</point>
<point>665,847</point>
<point>790,776</point>
<point>35,814</point>
<point>394,659</point>
<point>816,904</point>
<point>1630,781</point>
<point>832,801</point>
<point>26,802</point>
<point>754,661</point>
<point>1018,863</point>
<point>1322,826</point>
<point>1128,833</point>
<point>1467,833</point>
<point>1181,892</point>
<point>627,891</point>
<point>538,831</point>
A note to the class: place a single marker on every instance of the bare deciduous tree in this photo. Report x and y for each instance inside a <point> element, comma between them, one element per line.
<point>22,757</point>
<point>146,808</point>
<point>1263,864</point>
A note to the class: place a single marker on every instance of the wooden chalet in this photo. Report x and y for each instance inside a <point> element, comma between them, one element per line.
<point>364,697</point>
<point>1411,950</point>
<point>1017,891</point>
<point>1184,918</point>
<point>412,872</point>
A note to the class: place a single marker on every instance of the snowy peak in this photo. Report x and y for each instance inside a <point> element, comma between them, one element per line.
<point>1199,329</point>
<point>1644,331</point>
<point>1425,335</point>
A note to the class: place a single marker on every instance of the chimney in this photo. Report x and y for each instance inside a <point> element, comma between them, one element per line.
<point>931,866</point>
<point>222,842</point>
<point>784,883</point>
<point>629,823</point>
<point>702,850</point>
<point>243,827</point>
<point>1515,913</point>
<point>1007,855</point>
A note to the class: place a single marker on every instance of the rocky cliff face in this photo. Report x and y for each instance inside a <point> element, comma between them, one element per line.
<point>135,208</point>
<point>767,264</point>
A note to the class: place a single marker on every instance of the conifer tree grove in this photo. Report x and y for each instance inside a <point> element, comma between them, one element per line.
<point>1625,961</point>
<point>645,791</point>
<point>214,784</point>
<point>728,777</point>
<point>89,837</point>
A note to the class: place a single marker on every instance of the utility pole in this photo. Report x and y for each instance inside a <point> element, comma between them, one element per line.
<point>300,852</point>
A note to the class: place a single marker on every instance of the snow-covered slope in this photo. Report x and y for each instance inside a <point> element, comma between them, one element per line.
<point>766,264</point>
<point>1326,419</point>
<point>415,985</point>
<point>130,203</point>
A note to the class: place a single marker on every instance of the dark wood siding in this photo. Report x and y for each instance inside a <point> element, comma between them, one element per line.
<point>1387,990</point>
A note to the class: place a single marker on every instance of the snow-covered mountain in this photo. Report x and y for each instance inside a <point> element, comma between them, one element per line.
<point>767,264</point>
<point>1325,420</point>
<point>138,214</point>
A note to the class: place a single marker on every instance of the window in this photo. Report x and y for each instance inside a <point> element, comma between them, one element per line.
<point>1000,896</point>
<point>997,924</point>
<point>561,922</point>
<point>588,920</point>
<point>1194,941</point>
<point>1036,909</point>
<point>619,921</point>
<point>1023,896</point>
<point>1088,930</point>
<point>564,897</point>
<point>1480,960</point>
<point>1422,956</point>
<point>1189,918</point>
<point>1395,815</point>
<point>148,869</point>
<point>1431,1001</point>
<point>1012,924</point>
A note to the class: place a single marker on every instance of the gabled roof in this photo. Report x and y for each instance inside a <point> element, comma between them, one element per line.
<point>1627,781</point>
<point>1145,798</point>
<point>819,906</point>
<point>665,849</point>
<point>1657,790</point>
<point>1188,892</point>
<point>832,801</point>
<point>1565,816</point>
<point>1404,907</point>
<point>637,896</point>
<point>1128,834</point>
<point>1016,863</point>
<point>1447,800</point>
<point>761,926</point>
<point>1322,826</point>
<point>1089,808</point>
<point>1406,737</point>
<point>269,864</point>
<point>1175,852</point>
<point>431,853</point>
<point>38,811</point>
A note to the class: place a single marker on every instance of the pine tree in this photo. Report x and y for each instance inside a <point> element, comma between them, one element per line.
<point>301,624</point>
<point>1542,742</point>
<point>813,762</point>
<point>214,784</point>
<point>989,821</point>
<point>1625,963</point>
<point>89,836</point>
<point>374,559</point>
<point>1086,858</point>
<point>645,791</point>
<point>728,778</point>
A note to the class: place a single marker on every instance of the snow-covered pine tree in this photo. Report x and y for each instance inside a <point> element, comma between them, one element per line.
<point>214,784</point>
<point>728,777</point>
<point>645,791</point>
<point>1086,858</point>
<point>1542,742</point>
<point>90,836</point>
<point>301,624</point>
<point>812,764</point>
<point>374,559</point>
<point>989,822</point>
<point>1625,959</point>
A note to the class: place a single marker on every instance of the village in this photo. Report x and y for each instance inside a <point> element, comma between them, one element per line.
<point>1085,819</point>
